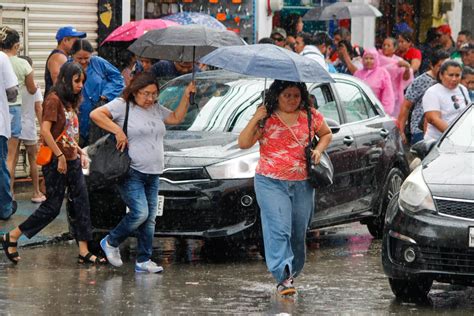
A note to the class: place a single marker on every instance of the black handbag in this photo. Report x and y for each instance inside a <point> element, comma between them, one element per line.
<point>108,165</point>
<point>319,175</point>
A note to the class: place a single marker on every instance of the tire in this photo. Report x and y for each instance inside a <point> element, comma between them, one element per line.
<point>391,187</point>
<point>413,289</point>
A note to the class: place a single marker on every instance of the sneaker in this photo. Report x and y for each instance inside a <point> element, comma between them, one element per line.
<point>112,253</point>
<point>286,287</point>
<point>148,267</point>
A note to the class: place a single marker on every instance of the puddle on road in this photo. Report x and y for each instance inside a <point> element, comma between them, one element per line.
<point>343,274</point>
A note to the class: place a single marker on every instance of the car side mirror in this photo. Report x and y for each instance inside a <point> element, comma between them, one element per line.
<point>422,148</point>
<point>333,125</point>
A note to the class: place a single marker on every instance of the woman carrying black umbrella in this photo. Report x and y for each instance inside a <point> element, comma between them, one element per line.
<point>284,195</point>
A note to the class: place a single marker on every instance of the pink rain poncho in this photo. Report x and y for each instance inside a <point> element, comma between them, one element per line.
<point>396,75</point>
<point>378,78</point>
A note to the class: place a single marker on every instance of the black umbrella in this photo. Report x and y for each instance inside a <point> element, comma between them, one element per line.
<point>183,43</point>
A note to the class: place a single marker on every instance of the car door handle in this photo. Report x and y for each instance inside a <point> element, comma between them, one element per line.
<point>384,133</point>
<point>348,140</point>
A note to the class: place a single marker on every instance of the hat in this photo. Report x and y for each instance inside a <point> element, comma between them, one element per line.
<point>279,30</point>
<point>444,29</point>
<point>68,31</point>
<point>466,47</point>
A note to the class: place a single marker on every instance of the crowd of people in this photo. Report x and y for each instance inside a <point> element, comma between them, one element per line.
<point>425,89</point>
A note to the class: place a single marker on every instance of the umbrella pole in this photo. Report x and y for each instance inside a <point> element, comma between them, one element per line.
<point>191,95</point>
<point>261,123</point>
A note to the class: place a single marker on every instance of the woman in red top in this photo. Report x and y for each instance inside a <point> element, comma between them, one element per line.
<point>408,52</point>
<point>284,195</point>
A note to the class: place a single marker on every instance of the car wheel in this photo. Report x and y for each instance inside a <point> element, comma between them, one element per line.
<point>416,288</point>
<point>391,187</point>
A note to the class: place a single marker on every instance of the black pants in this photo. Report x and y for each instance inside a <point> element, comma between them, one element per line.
<point>56,184</point>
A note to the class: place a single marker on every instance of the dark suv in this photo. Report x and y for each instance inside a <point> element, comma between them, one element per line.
<point>207,186</point>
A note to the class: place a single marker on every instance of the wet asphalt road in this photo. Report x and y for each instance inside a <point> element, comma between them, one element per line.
<point>343,275</point>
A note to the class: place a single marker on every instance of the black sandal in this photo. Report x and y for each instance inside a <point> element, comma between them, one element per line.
<point>6,243</point>
<point>87,259</point>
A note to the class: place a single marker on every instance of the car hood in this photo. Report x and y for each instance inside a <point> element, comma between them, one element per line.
<point>199,149</point>
<point>451,175</point>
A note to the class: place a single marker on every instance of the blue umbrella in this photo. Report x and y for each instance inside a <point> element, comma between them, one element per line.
<point>185,18</point>
<point>267,61</point>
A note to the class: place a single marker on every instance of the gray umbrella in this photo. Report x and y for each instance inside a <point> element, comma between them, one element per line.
<point>183,43</point>
<point>267,61</point>
<point>342,10</point>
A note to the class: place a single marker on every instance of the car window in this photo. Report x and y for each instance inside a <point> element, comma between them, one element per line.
<point>461,137</point>
<point>220,104</point>
<point>354,102</point>
<point>324,102</point>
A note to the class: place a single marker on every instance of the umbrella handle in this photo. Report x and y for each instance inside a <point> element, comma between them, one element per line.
<point>191,99</point>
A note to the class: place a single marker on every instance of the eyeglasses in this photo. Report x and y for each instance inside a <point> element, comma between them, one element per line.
<point>148,94</point>
<point>278,39</point>
<point>455,104</point>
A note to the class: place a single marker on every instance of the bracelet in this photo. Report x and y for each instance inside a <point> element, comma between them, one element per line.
<point>62,154</point>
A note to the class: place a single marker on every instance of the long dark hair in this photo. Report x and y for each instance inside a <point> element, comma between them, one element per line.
<point>63,86</point>
<point>8,37</point>
<point>277,87</point>
<point>139,82</point>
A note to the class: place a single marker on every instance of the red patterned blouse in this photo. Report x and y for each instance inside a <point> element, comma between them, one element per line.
<point>281,155</point>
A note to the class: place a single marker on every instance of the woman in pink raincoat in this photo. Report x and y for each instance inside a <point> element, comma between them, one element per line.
<point>399,69</point>
<point>377,78</point>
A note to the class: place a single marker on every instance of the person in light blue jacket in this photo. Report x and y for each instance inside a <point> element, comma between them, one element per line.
<point>104,82</point>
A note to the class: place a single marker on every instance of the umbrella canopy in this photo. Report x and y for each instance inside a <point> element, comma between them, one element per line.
<point>185,18</point>
<point>183,42</point>
<point>133,30</point>
<point>342,10</point>
<point>268,61</point>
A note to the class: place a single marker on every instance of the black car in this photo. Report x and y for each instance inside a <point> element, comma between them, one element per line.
<point>429,226</point>
<point>206,190</point>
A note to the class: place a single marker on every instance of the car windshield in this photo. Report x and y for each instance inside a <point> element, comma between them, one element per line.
<point>223,102</point>
<point>461,136</point>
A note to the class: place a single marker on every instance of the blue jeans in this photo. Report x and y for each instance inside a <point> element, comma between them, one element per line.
<point>285,210</point>
<point>15,123</point>
<point>140,192</point>
<point>5,194</point>
<point>415,138</point>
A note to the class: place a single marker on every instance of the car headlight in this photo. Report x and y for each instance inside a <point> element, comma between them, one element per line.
<point>414,193</point>
<point>237,168</point>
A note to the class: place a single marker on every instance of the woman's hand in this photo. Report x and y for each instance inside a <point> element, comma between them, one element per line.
<point>260,113</point>
<point>191,88</point>
<point>316,156</point>
<point>403,63</point>
<point>84,161</point>
<point>62,164</point>
<point>122,140</point>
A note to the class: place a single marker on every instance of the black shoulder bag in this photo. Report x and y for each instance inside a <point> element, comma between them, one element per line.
<point>319,175</point>
<point>108,165</point>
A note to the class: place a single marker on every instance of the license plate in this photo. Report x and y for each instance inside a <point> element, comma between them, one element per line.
<point>161,203</point>
<point>471,236</point>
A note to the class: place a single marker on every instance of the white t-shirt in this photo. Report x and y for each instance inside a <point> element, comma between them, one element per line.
<point>444,100</point>
<point>28,114</point>
<point>7,80</point>
<point>145,132</point>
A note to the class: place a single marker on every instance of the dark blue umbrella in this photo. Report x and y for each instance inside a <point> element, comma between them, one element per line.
<point>185,18</point>
<point>267,61</point>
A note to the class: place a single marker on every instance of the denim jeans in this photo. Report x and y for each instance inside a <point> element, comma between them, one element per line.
<point>56,184</point>
<point>15,122</point>
<point>415,138</point>
<point>140,192</point>
<point>5,194</point>
<point>285,210</point>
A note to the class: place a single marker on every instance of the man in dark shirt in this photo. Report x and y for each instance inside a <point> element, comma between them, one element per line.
<point>66,36</point>
<point>167,70</point>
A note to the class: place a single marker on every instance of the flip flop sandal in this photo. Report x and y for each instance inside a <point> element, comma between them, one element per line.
<point>87,259</point>
<point>7,243</point>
